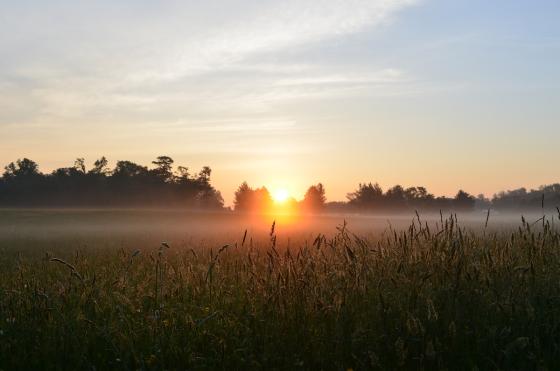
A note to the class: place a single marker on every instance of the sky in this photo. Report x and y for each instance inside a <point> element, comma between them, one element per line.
<point>446,94</point>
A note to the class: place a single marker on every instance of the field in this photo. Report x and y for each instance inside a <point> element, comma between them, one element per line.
<point>100,289</point>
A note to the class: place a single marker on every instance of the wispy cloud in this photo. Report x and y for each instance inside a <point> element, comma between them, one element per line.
<point>105,61</point>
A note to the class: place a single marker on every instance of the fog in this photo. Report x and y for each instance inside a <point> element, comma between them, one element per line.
<point>150,227</point>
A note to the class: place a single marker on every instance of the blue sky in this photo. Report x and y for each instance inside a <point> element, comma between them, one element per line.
<point>445,94</point>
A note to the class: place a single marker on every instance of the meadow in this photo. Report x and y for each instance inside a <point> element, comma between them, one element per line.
<point>153,290</point>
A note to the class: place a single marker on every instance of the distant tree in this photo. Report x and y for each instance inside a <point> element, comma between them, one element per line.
<point>183,176</point>
<point>125,169</point>
<point>482,203</point>
<point>204,176</point>
<point>546,196</point>
<point>416,193</point>
<point>80,165</point>
<point>262,199</point>
<point>129,184</point>
<point>100,167</point>
<point>67,172</point>
<point>132,184</point>
<point>464,201</point>
<point>442,203</point>
<point>367,196</point>
<point>249,199</point>
<point>21,183</point>
<point>314,198</point>
<point>550,196</point>
<point>243,197</point>
<point>396,198</point>
<point>419,198</point>
<point>164,168</point>
<point>21,169</point>
<point>209,199</point>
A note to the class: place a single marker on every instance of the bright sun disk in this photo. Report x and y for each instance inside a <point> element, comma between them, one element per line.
<point>280,195</point>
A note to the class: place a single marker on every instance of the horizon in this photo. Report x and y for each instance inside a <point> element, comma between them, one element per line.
<point>167,184</point>
<point>298,192</point>
<point>445,95</point>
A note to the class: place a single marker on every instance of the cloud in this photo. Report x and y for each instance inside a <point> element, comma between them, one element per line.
<point>109,62</point>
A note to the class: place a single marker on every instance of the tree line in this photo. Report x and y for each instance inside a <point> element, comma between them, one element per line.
<point>546,197</point>
<point>371,198</point>
<point>126,185</point>
<point>368,197</point>
<point>163,185</point>
<point>247,199</point>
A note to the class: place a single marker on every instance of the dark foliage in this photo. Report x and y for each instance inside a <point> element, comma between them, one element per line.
<point>370,197</point>
<point>314,198</point>
<point>133,185</point>
<point>544,198</point>
<point>128,184</point>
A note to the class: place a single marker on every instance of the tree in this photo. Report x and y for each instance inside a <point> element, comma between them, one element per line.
<point>80,165</point>
<point>204,176</point>
<point>129,184</point>
<point>396,197</point>
<point>22,168</point>
<point>262,200</point>
<point>67,172</point>
<point>482,202</point>
<point>127,169</point>
<point>164,168</point>
<point>22,183</point>
<point>416,193</point>
<point>464,201</point>
<point>100,167</point>
<point>366,196</point>
<point>314,198</point>
<point>243,197</point>
<point>209,199</point>
<point>184,176</point>
<point>249,199</point>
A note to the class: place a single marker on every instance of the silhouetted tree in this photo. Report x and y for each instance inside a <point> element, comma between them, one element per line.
<point>204,176</point>
<point>100,167</point>
<point>546,196</point>
<point>80,165</point>
<point>367,196</point>
<point>263,199</point>
<point>209,199</point>
<point>183,176</point>
<point>396,198</point>
<point>249,199</point>
<point>129,184</point>
<point>314,198</point>
<point>482,202</point>
<point>129,169</point>
<point>370,197</point>
<point>21,169</point>
<point>243,197</point>
<point>464,201</point>
<point>20,182</point>
<point>164,168</point>
<point>419,198</point>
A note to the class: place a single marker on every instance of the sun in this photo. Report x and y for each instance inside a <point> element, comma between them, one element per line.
<point>281,195</point>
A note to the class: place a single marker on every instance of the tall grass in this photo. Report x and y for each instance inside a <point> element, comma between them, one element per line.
<point>421,298</point>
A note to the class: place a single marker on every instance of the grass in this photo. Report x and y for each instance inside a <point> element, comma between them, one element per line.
<point>420,298</point>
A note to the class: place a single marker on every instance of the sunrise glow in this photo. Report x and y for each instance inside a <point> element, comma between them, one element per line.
<point>280,195</point>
